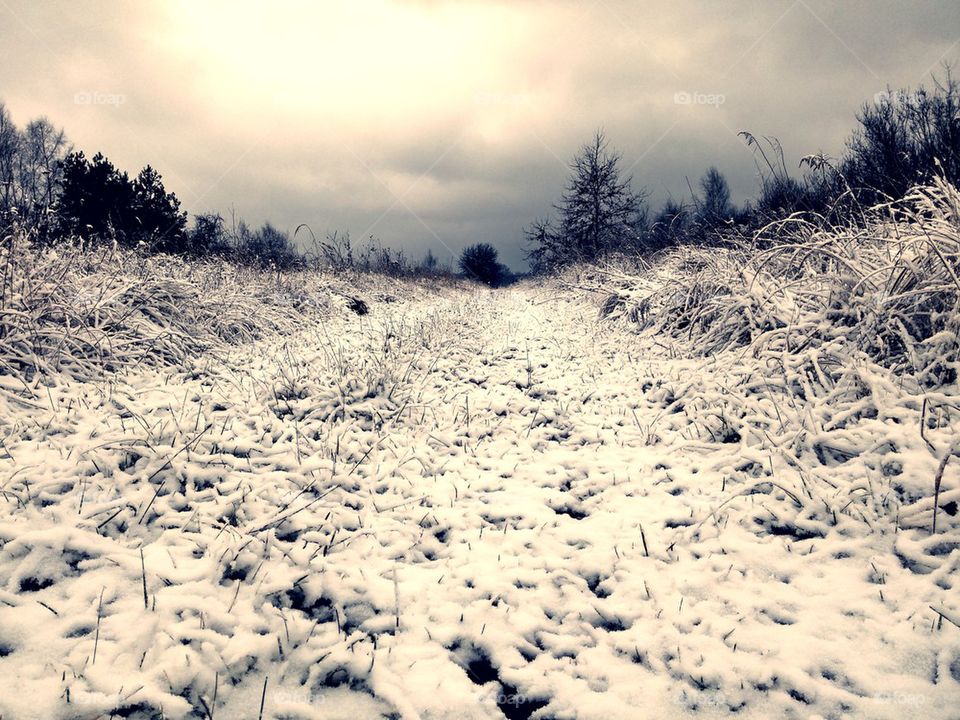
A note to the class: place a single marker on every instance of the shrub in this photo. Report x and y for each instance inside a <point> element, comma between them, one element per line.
<point>782,195</point>
<point>903,139</point>
<point>480,262</point>
<point>266,247</point>
<point>337,251</point>
<point>670,226</point>
<point>208,236</point>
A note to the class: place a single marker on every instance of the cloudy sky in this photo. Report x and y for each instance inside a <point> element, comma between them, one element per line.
<point>439,123</point>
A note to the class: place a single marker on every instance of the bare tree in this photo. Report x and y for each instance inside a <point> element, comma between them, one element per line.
<point>41,149</point>
<point>9,144</point>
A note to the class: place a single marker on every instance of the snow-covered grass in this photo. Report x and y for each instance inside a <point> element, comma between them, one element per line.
<point>80,312</point>
<point>472,503</point>
<point>888,286</point>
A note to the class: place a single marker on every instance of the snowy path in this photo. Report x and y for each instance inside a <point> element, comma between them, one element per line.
<point>467,506</point>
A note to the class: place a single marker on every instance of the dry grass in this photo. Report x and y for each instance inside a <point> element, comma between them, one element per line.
<point>80,312</point>
<point>889,288</point>
<point>828,339</point>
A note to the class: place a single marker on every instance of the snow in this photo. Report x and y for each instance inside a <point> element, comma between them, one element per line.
<point>472,504</point>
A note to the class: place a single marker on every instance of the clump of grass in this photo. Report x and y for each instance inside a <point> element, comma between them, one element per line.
<point>889,288</point>
<point>80,311</point>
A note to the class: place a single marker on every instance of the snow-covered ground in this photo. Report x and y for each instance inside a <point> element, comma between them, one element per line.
<point>471,504</point>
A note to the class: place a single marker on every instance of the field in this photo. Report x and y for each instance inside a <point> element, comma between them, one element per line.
<point>718,484</point>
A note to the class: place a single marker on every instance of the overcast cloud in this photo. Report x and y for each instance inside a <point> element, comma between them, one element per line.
<point>435,124</point>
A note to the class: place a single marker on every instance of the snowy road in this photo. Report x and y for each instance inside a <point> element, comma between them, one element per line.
<point>471,505</point>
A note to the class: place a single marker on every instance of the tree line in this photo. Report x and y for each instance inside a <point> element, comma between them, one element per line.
<point>57,193</point>
<point>901,139</point>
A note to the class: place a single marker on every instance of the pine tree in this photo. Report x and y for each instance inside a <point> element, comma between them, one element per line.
<point>599,212</point>
<point>714,206</point>
<point>96,199</point>
<point>157,217</point>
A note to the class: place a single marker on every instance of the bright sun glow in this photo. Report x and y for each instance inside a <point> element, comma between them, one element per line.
<point>400,62</point>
